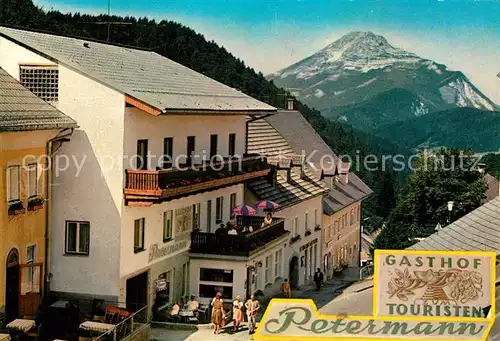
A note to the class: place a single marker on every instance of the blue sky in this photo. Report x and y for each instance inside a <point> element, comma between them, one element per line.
<point>272,34</point>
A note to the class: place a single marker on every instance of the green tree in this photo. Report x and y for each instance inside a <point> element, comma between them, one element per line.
<point>492,162</point>
<point>438,177</point>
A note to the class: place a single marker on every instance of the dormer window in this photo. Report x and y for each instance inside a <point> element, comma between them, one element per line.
<point>43,81</point>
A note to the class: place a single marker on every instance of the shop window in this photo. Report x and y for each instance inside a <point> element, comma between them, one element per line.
<point>216,275</point>
<point>209,291</point>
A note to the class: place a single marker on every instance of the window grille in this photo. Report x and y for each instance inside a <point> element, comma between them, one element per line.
<point>43,81</point>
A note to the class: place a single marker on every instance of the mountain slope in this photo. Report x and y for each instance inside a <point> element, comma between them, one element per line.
<point>191,49</point>
<point>459,128</point>
<point>361,65</point>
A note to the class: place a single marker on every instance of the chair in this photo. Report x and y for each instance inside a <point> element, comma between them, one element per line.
<point>35,332</point>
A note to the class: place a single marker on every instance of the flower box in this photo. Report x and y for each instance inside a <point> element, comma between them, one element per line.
<point>308,233</point>
<point>317,228</point>
<point>35,204</point>
<point>294,239</point>
<point>16,208</point>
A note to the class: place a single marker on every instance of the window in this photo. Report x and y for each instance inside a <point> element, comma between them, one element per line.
<point>232,144</point>
<point>305,221</point>
<point>142,154</point>
<point>168,152</point>
<point>77,237</point>
<point>43,81</point>
<point>209,215</point>
<point>13,183</point>
<point>341,223</point>
<point>315,255</point>
<point>185,274</point>
<point>335,227</point>
<point>295,226</point>
<point>196,217</point>
<point>232,204</point>
<point>316,220</point>
<point>351,220</point>
<point>32,180</point>
<point>267,273</point>
<point>31,259</point>
<point>209,291</point>
<point>277,263</point>
<point>139,235</point>
<point>358,213</point>
<point>219,203</point>
<point>345,220</point>
<point>190,149</point>
<point>167,225</point>
<point>216,275</point>
<point>213,145</point>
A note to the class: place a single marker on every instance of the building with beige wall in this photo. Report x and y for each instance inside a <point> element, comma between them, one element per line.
<point>28,128</point>
<point>341,209</point>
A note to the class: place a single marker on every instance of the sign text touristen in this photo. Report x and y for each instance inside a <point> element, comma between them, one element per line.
<point>433,284</point>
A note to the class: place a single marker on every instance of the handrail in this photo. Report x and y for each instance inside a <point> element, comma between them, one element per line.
<point>126,327</point>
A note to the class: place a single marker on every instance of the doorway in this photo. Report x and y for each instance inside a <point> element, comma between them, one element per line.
<point>294,272</point>
<point>137,292</point>
<point>12,286</point>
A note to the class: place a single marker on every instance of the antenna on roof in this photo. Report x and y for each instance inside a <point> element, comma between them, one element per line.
<point>109,23</point>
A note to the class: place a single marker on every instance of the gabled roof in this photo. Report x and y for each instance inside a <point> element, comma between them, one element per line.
<point>302,138</point>
<point>21,110</point>
<point>264,139</point>
<point>144,75</point>
<point>478,230</point>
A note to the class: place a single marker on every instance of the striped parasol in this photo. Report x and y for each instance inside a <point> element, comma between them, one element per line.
<point>266,205</point>
<point>244,210</point>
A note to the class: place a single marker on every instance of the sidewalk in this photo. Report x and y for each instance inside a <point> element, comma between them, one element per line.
<point>327,293</point>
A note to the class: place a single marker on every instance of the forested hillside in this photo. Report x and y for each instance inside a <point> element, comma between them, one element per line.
<point>189,48</point>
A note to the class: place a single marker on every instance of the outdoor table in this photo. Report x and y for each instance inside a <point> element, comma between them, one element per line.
<point>186,314</point>
<point>21,325</point>
<point>4,337</point>
<point>97,326</point>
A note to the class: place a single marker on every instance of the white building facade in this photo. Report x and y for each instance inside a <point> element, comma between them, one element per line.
<point>121,228</point>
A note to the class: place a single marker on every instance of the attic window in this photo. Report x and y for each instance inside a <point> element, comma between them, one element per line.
<point>43,81</point>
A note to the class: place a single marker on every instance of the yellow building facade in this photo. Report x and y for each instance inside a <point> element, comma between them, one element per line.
<point>342,238</point>
<point>28,127</point>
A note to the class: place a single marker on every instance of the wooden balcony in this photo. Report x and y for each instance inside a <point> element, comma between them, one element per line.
<point>239,245</point>
<point>146,187</point>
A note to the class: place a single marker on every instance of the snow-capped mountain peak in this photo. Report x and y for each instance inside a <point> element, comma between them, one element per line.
<point>361,51</point>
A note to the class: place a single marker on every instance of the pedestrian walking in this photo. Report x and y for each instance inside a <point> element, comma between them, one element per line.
<point>318,278</point>
<point>218,315</point>
<point>252,306</point>
<point>237,313</point>
<point>286,289</point>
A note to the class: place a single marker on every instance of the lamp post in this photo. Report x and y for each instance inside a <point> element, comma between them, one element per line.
<point>450,208</point>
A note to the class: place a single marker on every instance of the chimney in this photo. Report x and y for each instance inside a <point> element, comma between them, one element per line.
<point>272,175</point>
<point>329,181</point>
<point>344,172</point>
<point>285,174</point>
<point>290,104</point>
<point>481,167</point>
<point>298,161</point>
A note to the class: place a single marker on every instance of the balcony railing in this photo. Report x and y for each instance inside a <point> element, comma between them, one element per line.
<point>152,186</point>
<point>237,245</point>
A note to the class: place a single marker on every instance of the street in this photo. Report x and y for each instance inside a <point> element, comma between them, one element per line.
<point>328,292</point>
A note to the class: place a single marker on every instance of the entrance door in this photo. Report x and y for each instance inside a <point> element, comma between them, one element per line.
<point>137,292</point>
<point>294,272</point>
<point>31,288</point>
<point>12,286</point>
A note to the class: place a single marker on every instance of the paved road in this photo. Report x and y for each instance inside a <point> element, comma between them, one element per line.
<point>328,292</point>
